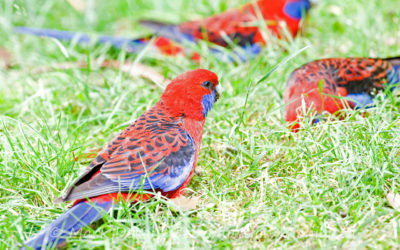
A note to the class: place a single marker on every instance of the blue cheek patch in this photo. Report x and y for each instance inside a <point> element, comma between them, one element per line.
<point>296,9</point>
<point>361,100</point>
<point>208,102</point>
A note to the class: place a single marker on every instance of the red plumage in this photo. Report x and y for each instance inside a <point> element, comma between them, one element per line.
<point>179,108</point>
<point>322,84</point>
<point>240,24</point>
<point>158,152</point>
<point>166,46</point>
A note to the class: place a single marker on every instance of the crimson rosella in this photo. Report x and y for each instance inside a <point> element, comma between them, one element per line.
<point>238,25</point>
<point>321,85</point>
<point>158,152</point>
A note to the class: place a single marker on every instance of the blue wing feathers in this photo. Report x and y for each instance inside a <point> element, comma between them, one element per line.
<point>138,170</point>
<point>179,164</point>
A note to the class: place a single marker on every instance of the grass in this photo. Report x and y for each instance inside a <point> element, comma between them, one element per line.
<point>260,186</point>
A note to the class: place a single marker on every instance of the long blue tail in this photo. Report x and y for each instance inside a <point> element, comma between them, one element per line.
<point>77,217</point>
<point>131,45</point>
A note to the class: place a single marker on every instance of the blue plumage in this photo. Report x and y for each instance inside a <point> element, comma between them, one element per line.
<point>131,45</point>
<point>296,10</point>
<point>208,102</point>
<point>241,54</point>
<point>360,100</point>
<point>75,218</point>
<point>394,76</point>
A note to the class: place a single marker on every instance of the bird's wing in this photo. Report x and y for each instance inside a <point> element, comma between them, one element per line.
<point>161,162</point>
<point>149,155</point>
<point>362,74</point>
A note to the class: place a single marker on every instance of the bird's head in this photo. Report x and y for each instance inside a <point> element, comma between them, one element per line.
<point>191,94</point>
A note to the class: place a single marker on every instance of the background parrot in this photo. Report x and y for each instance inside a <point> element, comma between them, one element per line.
<point>238,25</point>
<point>320,84</point>
<point>158,152</point>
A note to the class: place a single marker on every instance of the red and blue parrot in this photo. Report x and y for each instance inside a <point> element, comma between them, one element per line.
<point>157,153</point>
<point>335,83</point>
<point>237,25</point>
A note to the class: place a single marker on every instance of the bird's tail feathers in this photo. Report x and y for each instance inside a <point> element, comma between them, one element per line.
<point>132,45</point>
<point>169,31</point>
<point>155,25</point>
<point>75,218</point>
<point>58,34</point>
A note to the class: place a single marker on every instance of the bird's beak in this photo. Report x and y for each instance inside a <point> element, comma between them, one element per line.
<point>218,91</point>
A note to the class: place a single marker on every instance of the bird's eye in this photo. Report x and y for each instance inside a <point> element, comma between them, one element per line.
<point>207,84</point>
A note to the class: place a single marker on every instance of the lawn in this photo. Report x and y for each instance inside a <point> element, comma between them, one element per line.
<point>259,185</point>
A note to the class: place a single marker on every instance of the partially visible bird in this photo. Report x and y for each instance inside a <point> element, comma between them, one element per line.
<point>239,25</point>
<point>157,153</point>
<point>321,85</point>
